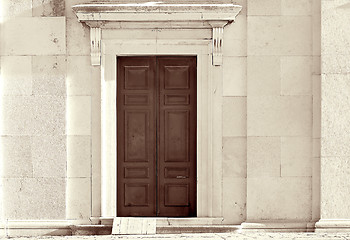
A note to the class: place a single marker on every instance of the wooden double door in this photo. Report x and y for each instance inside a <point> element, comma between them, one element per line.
<point>156,136</point>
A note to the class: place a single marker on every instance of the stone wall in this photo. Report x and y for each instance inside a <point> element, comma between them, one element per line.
<point>51,112</point>
<point>33,105</point>
<point>235,119</point>
<point>335,148</point>
<point>271,112</point>
<point>282,61</point>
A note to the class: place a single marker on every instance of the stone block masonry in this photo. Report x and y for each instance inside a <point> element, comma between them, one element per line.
<point>280,107</point>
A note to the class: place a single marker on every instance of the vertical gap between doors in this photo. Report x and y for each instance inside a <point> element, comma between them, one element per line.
<point>157,135</point>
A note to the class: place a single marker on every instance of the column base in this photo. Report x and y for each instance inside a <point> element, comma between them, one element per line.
<point>332,225</point>
<point>277,226</point>
<point>25,228</point>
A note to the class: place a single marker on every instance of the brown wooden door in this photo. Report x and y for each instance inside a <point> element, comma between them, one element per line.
<point>136,136</point>
<point>156,136</point>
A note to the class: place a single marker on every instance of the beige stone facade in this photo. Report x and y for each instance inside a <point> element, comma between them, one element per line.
<point>272,144</point>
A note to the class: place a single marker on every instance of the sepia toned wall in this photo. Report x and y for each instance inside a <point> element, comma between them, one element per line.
<point>335,111</point>
<point>271,112</point>
<point>282,123</point>
<point>51,111</point>
<point>47,99</point>
<point>33,110</point>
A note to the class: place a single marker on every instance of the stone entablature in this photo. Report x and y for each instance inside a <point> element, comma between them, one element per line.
<point>121,14</point>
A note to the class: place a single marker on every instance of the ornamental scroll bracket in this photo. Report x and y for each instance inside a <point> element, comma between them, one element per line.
<point>218,41</point>
<point>95,43</point>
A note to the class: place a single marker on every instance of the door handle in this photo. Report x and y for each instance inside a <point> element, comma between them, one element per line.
<point>181,177</point>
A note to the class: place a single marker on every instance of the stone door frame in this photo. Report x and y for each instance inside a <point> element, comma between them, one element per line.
<point>209,111</point>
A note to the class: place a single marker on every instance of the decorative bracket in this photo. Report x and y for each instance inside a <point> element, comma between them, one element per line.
<point>218,41</point>
<point>95,42</point>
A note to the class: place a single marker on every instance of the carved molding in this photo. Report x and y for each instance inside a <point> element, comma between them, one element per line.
<point>167,10</point>
<point>95,42</point>
<point>218,38</point>
<point>168,14</point>
<point>218,41</point>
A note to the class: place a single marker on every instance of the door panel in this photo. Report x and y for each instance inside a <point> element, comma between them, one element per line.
<point>176,99</point>
<point>136,136</point>
<point>137,77</point>
<point>176,77</point>
<point>176,195</point>
<point>177,136</point>
<point>136,195</point>
<point>136,99</point>
<point>156,133</point>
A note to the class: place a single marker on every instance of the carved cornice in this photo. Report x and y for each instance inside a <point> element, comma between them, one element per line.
<point>118,11</point>
<point>167,14</point>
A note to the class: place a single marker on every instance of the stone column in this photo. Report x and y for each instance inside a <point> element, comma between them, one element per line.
<point>279,116</point>
<point>335,117</point>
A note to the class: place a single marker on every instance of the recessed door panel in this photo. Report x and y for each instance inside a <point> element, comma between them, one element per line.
<point>136,136</point>
<point>136,99</point>
<point>136,172</point>
<point>176,134</point>
<point>136,77</point>
<point>176,99</point>
<point>156,136</point>
<point>176,77</point>
<point>136,195</point>
<point>177,172</point>
<point>177,195</point>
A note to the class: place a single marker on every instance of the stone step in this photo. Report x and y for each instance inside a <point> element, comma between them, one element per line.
<point>91,230</point>
<point>106,221</point>
<point>133,225</point>
<point>163,226</point>
<point>188,221</point>
<point>81,230</point>
<point>197,229</point>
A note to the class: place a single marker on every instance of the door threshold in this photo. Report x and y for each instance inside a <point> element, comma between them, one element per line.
<point>191,221</point>
<point>198,229</point>
<point>156,225</point>
<point>165,221</point>
<point>169,225</point>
